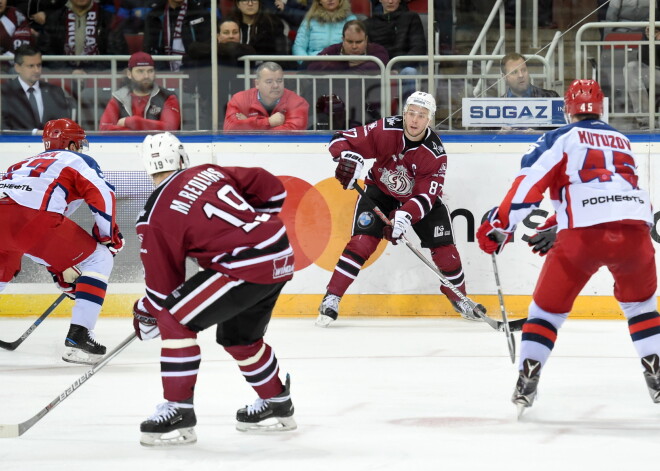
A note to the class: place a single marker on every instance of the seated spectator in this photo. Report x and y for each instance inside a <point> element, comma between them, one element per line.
<point>267,106</point>
<point>141,105</point>
<point>322,26</point>
<point>14,29</point>
<point>354,42</point>
<point>28,102</point>
<point>544,14</point>
<point>292,11</point>
<point>173,25</point>
<point>259,29</point>
<point>81,28</point>
<point>38,11</point>
<point>516,76</point>
<point>637,73</point>
<point>626,10</point>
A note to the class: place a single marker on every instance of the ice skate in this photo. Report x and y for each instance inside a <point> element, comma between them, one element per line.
<point>81,347</point>
<point>651,364</point>
<point>268,415</point>
<point>465,310</point>
<point>525,392</point>
<point>173,423</point>
<point>328,310</point>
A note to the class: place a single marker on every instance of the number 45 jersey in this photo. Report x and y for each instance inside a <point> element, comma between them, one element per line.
<point>223,217</point>
<point>590,171</point>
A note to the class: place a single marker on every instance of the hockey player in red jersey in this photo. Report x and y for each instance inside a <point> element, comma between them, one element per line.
<point>603,219</point>
<point>36,196</point>
<point>406,182</point>
<point>226,218</point>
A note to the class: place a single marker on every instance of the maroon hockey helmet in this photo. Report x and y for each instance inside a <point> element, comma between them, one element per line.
<point>59,133</point>
<point>583,97</point>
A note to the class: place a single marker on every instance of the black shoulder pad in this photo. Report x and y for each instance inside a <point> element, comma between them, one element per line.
<point>393,122</point>
<point>434,144</point>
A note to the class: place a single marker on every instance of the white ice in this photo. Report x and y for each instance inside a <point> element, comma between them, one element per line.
<point>370,394</point>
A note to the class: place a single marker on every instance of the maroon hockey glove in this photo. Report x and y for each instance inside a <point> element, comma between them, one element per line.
<point>401,221</point>
<point>66,280</point>
<point>349,169</point>
<point>490,235</point>
<point>145,325</point>
<point>114,244</point>
<point>545,236</point>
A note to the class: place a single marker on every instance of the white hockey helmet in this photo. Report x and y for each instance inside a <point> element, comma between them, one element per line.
<point>423,99</point>
<point>163,152</point>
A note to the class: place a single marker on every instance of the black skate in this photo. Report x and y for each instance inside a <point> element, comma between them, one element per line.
<point>81,347</point>
<point>525,392</point>
<point>172,424</point>
<point>268,415</point>
<point>651,364</point>
<point>328,310</point>
<point>466,311</point>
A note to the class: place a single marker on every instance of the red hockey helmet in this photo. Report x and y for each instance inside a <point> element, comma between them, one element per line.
<point>583,97</point>
<point>59,133</point>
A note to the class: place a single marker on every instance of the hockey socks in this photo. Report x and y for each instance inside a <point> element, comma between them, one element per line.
<point>259,366</point>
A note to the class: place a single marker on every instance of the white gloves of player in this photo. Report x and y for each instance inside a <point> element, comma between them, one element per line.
<point>400,223</point>
<point>66,280</point>
<point>145,325</point>
<point>349,169</point>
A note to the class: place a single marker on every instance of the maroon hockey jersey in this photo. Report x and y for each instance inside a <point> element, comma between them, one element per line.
<point>415,176</point>
<point>223,217</point>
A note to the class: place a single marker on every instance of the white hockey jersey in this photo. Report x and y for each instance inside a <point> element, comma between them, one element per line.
<point>59,181</point>
<point>590,172</point>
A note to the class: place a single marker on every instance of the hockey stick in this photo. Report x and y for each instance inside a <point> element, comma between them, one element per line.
<point>13,345</point>
<point>477,308</point>
<point>16,430</point>
<point>505,322</point>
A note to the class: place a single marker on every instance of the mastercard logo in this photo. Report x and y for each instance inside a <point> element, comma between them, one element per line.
<point>319,220</point>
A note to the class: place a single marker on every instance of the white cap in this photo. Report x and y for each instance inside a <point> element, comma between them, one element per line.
<point>425,100</point>
<point>163,152</point>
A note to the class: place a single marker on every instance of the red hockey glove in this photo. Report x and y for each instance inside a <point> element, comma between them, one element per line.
<point>401,221</point>
<point>66,280</point>
<point>114,244</point>
<point>349,169</point>
<point>545,236</point>
<point>490,235</point>
<point>145,325</point>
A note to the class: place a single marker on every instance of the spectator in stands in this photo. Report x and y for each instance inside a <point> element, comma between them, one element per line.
<point>544,14</point>
<point>81,28</point>
<point>14,29</point>
<point>354,42</point>
<point>267,106</point>
<point>292,11</point>
<point>626,10</point>
<point>38,11</point>
<point>141,105</point>
<point>259,29</point>
<point>173,25</point>
<point>637,73</point>
<point>516,76</point>
<point>27,101</point>
<point>322,26</point>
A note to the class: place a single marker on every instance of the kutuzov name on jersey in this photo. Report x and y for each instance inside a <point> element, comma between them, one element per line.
<point>516,112</point>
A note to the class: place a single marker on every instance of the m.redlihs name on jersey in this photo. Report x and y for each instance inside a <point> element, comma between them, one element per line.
<point>194,189</point>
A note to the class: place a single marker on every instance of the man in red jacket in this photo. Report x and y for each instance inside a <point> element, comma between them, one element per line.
<point>267,106</point>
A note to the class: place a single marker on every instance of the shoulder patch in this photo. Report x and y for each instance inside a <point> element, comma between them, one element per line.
<point>393,122</point>
<point>434,144</point>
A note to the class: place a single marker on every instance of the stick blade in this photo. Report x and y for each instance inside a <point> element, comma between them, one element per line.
<point>9,431</point>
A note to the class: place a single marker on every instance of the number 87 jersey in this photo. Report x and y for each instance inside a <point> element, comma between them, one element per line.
<point>224,217</point>
<point>591,174</point>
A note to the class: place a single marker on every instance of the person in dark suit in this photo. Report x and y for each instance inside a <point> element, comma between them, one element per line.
<point>27,102</point>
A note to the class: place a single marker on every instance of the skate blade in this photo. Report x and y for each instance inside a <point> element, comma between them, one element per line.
<point>274,424</point>
<point>323,321</point>
<point>76,355</point>
<point>182,436</point>
<point>521,411</point>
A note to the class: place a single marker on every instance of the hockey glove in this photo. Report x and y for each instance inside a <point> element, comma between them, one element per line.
<point>145,325</point>
<point>349,169</point>
<point>490,235</point>
<point>66,280</point>
<point>114,244</point>
<point>401,221</point>
<point>545,236</point>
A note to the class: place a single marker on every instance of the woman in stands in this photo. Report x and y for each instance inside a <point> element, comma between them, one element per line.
<point>258,28</point>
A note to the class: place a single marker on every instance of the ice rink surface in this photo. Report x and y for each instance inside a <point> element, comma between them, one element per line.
<point>370,394</point>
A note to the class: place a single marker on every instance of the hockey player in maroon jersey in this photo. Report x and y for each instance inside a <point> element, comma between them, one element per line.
<point>406,182</point>
<point>226,218</point>
<point>36,196</point>
<point>603,219</point>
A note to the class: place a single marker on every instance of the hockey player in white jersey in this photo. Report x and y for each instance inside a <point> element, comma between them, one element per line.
<point>603,219</point>
<point>36,197</point>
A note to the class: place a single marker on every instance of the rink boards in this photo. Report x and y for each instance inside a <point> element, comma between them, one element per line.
<point>318,215</point>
